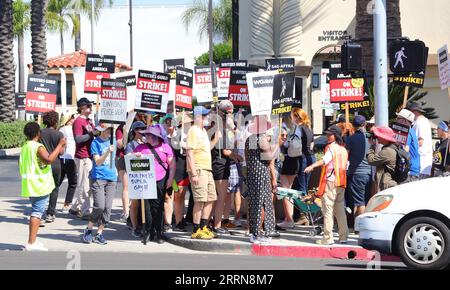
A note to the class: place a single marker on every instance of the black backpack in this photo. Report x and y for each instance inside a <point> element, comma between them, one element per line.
<point>402,165</point>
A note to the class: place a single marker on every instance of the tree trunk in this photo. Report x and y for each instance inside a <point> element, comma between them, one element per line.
<point>61,35</point>
<point>78,36</point>
<point>38,38</point>
<point>364,28</point>
<point>21,57</point>
<point>7,68</point>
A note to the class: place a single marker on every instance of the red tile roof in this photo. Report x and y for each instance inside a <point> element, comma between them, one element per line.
<point>76,59</point>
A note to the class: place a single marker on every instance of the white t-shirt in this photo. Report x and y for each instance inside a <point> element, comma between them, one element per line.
<point>423,131</point>
<point>69,152</point>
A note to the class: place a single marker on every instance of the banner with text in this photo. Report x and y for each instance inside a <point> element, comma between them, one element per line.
<point>152,92</point>
<point>401,129</point>
<point>282,65</point>
<point>260,90</point>
<point>183,91</point>
<point>41,94</point>
<point>238,91</point>
<point>203,84</point>
<point>444,67</point>
<point>97,67</point>
<point>141,177</point>
<point>283,92</point>
<point>113,101</point>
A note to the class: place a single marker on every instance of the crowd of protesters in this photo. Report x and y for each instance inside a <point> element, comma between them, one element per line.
<point>217,156</point>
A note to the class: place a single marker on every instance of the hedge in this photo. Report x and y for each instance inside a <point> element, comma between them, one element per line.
<point>11,134</point>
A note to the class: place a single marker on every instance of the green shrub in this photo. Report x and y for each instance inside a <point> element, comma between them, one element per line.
<point>222,51</point>
<point>11,134</point>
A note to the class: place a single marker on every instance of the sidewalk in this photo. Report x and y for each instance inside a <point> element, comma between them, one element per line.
<point>65,235</point>
<point>294,243</point>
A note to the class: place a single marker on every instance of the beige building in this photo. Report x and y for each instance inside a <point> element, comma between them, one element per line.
<point>312,31</point>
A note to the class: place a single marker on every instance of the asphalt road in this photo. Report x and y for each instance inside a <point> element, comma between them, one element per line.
<point>167,261</point>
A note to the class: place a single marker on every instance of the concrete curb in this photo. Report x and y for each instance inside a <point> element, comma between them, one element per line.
<point>318,252</point>
<point>13,152</point>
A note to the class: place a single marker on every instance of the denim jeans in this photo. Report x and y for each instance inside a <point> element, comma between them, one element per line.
<point>303,178</point>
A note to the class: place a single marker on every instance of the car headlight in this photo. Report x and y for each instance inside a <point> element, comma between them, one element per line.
<point>379,202</point>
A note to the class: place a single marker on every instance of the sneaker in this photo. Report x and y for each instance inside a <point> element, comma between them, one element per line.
<point>65,210</point>
<point>264,240</point>
<point>87,236</point>
<point>167,228</point>
<point>324,243</point>
<point>210,232</point>
<point>221,231</point>
<point>274,234</point>
<point>179,228</point>
<point>36,247</point>
<point>100,239</point>
<point>42,224</point>
<point>76,213</point>
<point>254,239</point>
<point>201,235</point>
<point>286,225</point>
<point>50,218</point>
<point>227,224</point>
<point>123,218</point>
<point>343,242</point>
<point>136,234</point>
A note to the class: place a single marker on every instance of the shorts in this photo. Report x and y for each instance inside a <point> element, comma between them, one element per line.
<point>236,179</point>
<point>181,171</point>
<point>205,191</point>
<point>39,206</point>
<point>120,164</point>
<point>221,169</point>
<point>291,165</point>
<point>358,189</point>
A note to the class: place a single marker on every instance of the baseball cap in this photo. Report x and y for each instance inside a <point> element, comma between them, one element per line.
<point>200,110</point>
<point>359,121</point>
<point>83,102</point>
<point>334,130</point>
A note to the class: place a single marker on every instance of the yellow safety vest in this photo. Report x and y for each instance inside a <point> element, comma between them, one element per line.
<point>37,179</point>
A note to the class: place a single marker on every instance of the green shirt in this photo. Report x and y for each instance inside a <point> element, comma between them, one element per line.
<point>37,178</point>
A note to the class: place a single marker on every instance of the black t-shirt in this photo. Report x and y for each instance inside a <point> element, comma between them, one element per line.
<point>439,155</point>
<point>50,138</point>
<point>307,139</point>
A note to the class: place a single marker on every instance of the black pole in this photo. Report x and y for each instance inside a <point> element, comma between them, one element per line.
<point>131,32</point>
<point>235,28</point>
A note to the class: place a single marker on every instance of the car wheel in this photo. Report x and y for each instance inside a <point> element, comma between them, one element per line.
<point>424,243</point>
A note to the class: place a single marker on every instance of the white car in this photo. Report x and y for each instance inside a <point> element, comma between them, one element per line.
<point>411,221</point>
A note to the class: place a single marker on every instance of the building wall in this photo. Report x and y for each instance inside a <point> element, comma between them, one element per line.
<point>425,20</point>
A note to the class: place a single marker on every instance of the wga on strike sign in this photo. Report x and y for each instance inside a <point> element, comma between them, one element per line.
<point>98,67</point>
<point>183,92</point>
<point>152,91</point>
<point>41,94</point>
<point>223,82</point>
<point>113,101</point>
<point>238,91</point>
<point>346,90</point>
<point>203,84</point>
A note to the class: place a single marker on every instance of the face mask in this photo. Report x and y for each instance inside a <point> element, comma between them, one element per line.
<point>206,122</point>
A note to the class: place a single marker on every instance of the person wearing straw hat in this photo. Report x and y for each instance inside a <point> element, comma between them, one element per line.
<point>423,130</point>
<point>261,180</point>
<point>441,162</point>
<point>386,159</point>
<point>68,166</point>
<point>165,172</point>
<point>412,145</point>
<point>103,187</point>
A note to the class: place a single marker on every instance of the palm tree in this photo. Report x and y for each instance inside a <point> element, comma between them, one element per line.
<point>38,38</point>
<point>364,27</point>
<point>222,18</point>
<point>21,24</point>
<point>7,69</point>
<point>84,7</point>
